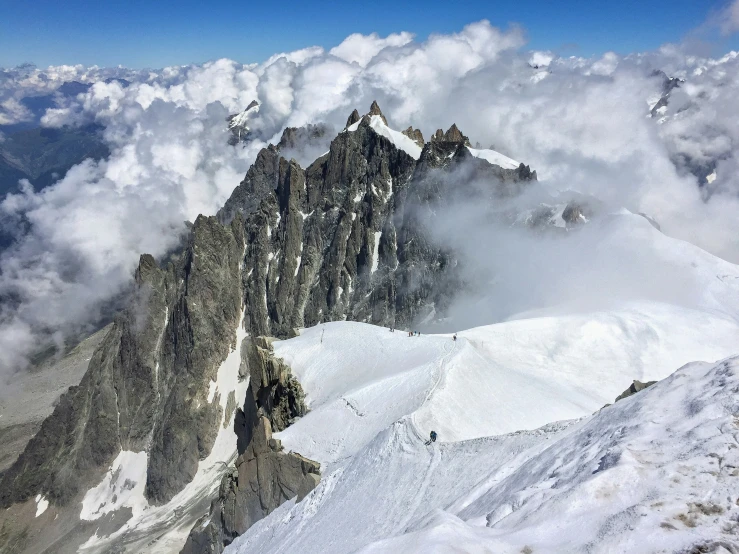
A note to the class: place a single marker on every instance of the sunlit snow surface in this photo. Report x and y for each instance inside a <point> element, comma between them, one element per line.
<point>375,395</point>
<point>495,158</point>
<point>525,456</point>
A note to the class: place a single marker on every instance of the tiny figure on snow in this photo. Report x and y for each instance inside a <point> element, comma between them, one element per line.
<point>432,438</point>
<point>454,338</point>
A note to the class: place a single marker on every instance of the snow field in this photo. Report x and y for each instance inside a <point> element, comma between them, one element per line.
<point>652,473</point>
<point>642,475</point>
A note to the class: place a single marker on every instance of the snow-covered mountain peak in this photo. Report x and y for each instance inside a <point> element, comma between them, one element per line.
<point>401,141</point>
<point>238,123</point>
<point>411,140</point>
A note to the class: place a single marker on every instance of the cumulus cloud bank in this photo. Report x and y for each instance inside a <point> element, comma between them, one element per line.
<point>583,124</point>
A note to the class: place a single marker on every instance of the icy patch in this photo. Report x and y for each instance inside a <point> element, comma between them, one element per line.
<point>212,388</point>
<point>297,266</point>
<point>354,216</point>
<point>495,158</point>
<point>123,486</point>
<point>158,346</point>
<point>376,253</point>
<point>358,197</point>
<point>41,505</point>
<point>306,216</point>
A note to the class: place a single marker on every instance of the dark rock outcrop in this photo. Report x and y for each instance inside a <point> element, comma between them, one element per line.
<point>375,110</point>
<point>415,135</point>
<point>352,119</point>
<point>635,387</point>
<point>299,137</point>
<point>312,233</point>
<point>264,475</point>
<point>575,213</point>
<point>453,134</point>
<point>277,393</point>
<point>305,144</point>
<point>141,388</point>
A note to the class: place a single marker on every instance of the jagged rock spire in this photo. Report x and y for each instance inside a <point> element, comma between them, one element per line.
<point>375,110</point>
<point>353,118</point>
<point>415,135</point>
<point>453,134</point>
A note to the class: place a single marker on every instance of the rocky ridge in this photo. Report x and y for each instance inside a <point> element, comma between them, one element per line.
<point>264,475</point>
<point>345,238</point>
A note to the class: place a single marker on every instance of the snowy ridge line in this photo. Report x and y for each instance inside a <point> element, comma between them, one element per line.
<point>439,370</point>
<point>554,489</point>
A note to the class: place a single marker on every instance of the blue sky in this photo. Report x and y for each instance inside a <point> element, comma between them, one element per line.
<point>154,33</point>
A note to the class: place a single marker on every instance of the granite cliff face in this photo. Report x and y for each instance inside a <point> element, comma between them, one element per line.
<point>264,475</point>
<point>345,238</point>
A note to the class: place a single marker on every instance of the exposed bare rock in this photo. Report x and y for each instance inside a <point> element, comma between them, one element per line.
<point>415,135</point>
<point>264,475</point>
<point>635,387</point>
<point>453,134</point>
<point>353,118</point>
<point>375,110</point>
<point>575,213</point>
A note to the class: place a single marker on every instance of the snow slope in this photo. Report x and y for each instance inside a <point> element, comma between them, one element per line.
<point>495,379</point>
<point>495,158</point>
<point>526,457</point>
<point>652,473</point>
<point>410,147</point>
<point>656,472</point>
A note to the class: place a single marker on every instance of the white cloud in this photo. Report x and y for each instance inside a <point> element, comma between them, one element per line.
<point>583,127</point>
<point>361,49</point>
<point>541,59</point>
<point>12,111</point>
<point>729,20</point>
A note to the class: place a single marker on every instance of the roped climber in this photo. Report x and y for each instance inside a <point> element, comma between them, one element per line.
<point>432,438</point>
